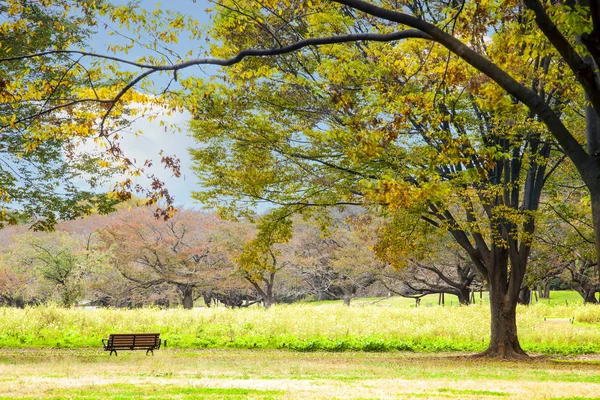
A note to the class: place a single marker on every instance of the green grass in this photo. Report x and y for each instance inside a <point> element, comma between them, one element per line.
<point>557,298</point>
<point>128,391</point>
<point>371,326</point>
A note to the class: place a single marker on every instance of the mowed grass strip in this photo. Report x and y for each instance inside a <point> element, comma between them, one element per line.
<point>130,391</point>
<point>267,374</point>
<point>371,327</point>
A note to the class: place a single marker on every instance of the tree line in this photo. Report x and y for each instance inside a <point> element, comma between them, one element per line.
<point>131,259</point>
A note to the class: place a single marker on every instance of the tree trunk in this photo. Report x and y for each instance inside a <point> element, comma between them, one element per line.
<point>590,297</point>
<point>207,299</point>
<point>266,294</point>
<point>267,302</point>
<point>593,146</point>
<point>504,293</point>
<point>525,296</point>
<point>592,123</point>
<point>504,342</point>
<point>347,300</point>
<point>547,290</point>
<point>595,197</point>
<point>187,298</point>
<point>464,296</point>
<point>543,289</point>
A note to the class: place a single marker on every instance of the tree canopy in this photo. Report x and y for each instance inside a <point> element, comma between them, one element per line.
<point>40,158</point>
<point>411,131</point>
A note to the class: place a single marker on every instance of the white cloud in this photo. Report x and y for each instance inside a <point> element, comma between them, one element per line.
<point>154,139</point>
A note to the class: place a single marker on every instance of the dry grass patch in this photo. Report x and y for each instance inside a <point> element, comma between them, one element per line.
<point>92,374</point>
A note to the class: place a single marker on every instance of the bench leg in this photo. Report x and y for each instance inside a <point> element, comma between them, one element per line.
<point>112,352</point>
<point>152,350</point>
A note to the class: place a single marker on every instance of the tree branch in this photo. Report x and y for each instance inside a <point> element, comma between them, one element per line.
<point>498,75</point>
<point>584,72</point>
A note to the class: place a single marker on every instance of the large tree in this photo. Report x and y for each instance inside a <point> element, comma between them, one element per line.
<point>424,137</point>
<point>560,34</point>
<point>54,265</point>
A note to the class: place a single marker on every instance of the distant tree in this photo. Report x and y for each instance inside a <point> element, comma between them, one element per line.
<point>178,251</point>
<point>55,263</point>
<point>335,263</point>
<point>546,265</point>
<point>565,242</point>
<point>584,280</point>
<point>454,275</point>
<point>436,264</point>
<point>260,261</point>
<point>15,286</point>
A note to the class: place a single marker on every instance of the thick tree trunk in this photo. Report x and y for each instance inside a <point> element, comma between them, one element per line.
<point>589,296</point>
<point>595,197</point>
<point>504,342</point>
<point>504,293</point>
<point>592,128</point>
<point>592,121</point>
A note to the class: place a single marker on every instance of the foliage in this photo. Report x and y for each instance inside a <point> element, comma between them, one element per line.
<point>182,251</point>
<point>336,260</point>
<point>260,258</point>
<point>45,173</point>
<point>64,112</point>
<point>54,263</point>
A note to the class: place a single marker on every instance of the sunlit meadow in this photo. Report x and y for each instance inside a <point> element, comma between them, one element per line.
<point>543,328</point>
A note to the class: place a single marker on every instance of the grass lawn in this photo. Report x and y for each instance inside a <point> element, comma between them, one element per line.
<point>557,298</point>
<point>369,325</point>
<point>276,374</point>
<point>49,352</point>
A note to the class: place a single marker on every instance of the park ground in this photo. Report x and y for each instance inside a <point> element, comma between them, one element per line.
<point>277,374</point>
<point>302,351</point>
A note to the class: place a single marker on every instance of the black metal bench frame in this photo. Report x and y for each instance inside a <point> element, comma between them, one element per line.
<point>132,341</point>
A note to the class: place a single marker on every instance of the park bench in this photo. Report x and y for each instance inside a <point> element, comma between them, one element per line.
<point>132,341</point>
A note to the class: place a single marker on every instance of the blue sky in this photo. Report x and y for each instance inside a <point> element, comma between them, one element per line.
<point>154,138</point>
